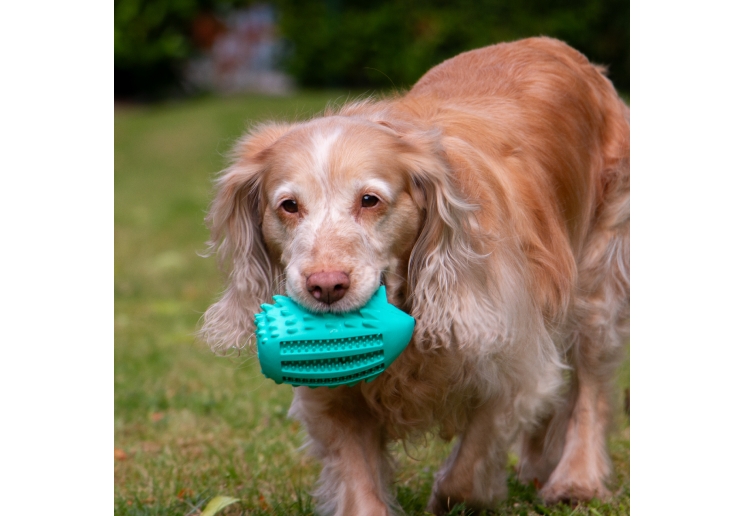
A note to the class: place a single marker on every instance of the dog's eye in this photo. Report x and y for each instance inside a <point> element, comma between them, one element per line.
<point>368,201</point>
<point>289,206</point>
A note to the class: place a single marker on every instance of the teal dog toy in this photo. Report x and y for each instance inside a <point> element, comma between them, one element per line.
<point>299,347</point>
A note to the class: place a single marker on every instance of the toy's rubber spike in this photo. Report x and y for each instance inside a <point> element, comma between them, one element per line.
<point>327,350</point>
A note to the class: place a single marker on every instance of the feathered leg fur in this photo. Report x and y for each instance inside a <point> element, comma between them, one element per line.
<point>352,447</point>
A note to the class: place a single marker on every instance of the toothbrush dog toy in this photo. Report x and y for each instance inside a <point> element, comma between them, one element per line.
<point>299,347</point>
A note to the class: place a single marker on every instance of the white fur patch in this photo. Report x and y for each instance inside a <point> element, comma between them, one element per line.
<point>283,191</point>
<point>378,187</point>
<point>323,143</point>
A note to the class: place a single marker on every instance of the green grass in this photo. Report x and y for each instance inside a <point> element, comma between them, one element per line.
<point>193,425</point>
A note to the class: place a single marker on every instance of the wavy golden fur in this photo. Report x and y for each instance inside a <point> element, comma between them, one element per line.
<point>493,202</point>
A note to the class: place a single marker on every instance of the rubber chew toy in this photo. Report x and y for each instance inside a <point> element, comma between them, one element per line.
<point>299,347</point>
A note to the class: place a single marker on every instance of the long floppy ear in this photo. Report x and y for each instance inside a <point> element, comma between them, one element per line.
<point>235,222</point>
<point>447,276</point>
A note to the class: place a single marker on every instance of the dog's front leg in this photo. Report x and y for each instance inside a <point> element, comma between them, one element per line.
<point>475,471</point>
<point>352,447</point>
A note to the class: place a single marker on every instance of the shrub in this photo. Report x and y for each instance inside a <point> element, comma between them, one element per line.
<point>373,43</point>
<point>152,40</point>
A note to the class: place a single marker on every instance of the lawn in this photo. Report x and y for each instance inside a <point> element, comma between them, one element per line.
<point>190,425</point>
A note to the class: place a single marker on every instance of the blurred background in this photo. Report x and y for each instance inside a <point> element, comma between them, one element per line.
<point>190,77</point>
<point>165,48</point>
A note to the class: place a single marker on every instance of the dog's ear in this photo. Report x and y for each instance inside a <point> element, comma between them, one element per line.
<point>447,275</point>
<point>235,222</point>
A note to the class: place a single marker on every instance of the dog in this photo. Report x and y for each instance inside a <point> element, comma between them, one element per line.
<point>493,202</point>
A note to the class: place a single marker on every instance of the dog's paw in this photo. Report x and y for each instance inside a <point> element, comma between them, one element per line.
<point>440,504</point>
<point>572,490</point>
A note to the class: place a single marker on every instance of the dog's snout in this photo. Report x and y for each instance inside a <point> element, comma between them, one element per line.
<point>328,287</point>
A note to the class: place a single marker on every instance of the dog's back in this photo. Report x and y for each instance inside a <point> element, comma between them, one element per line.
<point>542,96</point>
<point>551,131</point>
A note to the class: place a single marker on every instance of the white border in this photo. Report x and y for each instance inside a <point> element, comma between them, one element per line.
<point>56,204</point>
<point>688,264</point>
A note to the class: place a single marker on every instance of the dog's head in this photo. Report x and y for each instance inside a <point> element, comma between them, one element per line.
<point>325,211</point>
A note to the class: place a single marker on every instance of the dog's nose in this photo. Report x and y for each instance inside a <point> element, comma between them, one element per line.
<point>328,287</point>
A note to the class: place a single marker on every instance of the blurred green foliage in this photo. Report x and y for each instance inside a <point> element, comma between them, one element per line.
<point>152,40</point>
<point>374,43</point>
<point>366,43</point>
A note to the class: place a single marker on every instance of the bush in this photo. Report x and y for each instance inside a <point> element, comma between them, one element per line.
<point>152,40</point>
<point>373,44</point>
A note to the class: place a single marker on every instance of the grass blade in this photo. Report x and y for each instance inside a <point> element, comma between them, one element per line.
<point>218,503</point>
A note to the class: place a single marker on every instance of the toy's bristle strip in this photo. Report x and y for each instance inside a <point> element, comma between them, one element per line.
<point>336,380</point>
<point>333,365</point>
<point>330,345</point>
